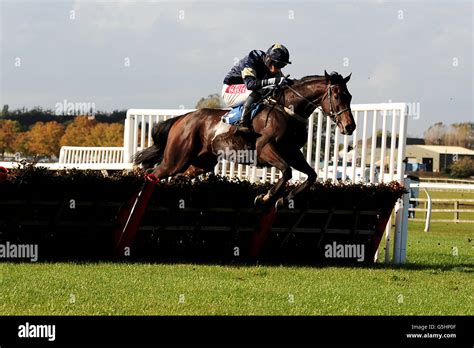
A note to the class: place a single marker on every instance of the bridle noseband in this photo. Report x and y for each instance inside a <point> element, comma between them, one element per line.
<point>334,115</point>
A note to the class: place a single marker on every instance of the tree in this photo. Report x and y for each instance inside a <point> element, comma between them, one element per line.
<point>436,134</point>
<point>213,101</point>
<point>462,168</point>
<point>21,143</point>
<point>4,111</point>
<point>462,134</point>
<point>43,139</point>
<point>78,132</point>
<point>104,134</point>
<point>458,134</point>
<point>8,132</point>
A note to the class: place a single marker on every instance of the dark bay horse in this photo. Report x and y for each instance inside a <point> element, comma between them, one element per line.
<point>188,144</point>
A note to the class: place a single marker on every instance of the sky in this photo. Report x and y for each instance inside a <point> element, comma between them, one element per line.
<point>169,54</point>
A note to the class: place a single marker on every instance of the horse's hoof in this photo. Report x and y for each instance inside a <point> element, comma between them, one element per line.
<point>259,201</point>
<point>281,203</point>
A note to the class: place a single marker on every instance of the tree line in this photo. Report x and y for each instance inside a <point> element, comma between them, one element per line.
<point>456,134</point>
<point>28,117</point>
<point>39,132</point>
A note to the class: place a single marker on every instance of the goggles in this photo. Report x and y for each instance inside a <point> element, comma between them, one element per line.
<point>277,64</point>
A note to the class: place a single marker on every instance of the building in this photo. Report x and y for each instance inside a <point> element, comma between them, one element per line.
<point>436,157</point>
<point>420,157</point>
<point>378,150</point>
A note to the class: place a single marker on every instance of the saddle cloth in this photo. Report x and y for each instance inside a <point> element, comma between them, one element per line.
<point>235,114</point>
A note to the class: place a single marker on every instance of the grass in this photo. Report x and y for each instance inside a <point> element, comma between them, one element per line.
<point>433,282</point>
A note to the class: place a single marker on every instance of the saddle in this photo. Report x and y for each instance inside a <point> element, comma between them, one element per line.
<point>235,114</point>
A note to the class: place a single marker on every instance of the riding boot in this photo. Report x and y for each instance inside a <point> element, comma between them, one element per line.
<point>245,123</point>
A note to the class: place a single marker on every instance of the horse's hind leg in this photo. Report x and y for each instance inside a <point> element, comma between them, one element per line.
<point>176,159</point>
<point>166,169</point>
<point>203,163</point>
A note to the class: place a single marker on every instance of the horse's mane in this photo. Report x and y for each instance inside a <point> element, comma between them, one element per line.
<point>310,78</point>
<point>335,77</point>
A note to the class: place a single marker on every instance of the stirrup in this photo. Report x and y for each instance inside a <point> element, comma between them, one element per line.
<point>243,129</point>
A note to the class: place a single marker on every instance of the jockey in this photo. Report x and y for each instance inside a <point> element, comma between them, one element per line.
<point>243,83</point>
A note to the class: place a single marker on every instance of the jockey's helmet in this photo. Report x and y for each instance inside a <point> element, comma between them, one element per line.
<point>278,55</point>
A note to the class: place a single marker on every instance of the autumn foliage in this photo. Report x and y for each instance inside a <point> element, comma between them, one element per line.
<point>8,132</point>
<point>46,138</point>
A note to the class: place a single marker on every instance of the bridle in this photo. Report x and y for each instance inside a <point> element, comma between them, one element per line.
<point>335,116</point>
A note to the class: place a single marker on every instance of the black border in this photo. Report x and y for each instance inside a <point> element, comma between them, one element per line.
<point>248,331</point>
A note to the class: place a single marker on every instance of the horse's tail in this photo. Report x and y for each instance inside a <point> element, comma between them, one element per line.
<point>154,154</point>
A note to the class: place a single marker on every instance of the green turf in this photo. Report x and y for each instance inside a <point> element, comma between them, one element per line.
<point>433,282</point>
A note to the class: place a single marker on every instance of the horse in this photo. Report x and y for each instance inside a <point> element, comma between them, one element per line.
<point>190,144</point>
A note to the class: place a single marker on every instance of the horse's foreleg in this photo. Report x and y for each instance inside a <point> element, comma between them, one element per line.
<point>270,155</point>
<point>298,162</point>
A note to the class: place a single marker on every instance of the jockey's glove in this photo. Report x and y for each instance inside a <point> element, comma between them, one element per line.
<point>270,82</point>
<point>274,81</point>
<point>286,81</point>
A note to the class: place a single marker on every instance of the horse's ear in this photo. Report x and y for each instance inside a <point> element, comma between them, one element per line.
<point>326,75</point>
<point>347,78</point>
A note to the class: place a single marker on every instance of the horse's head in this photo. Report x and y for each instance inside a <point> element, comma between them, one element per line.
<point>336,102</point>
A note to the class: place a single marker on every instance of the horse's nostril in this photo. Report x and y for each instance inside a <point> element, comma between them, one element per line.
<point>348,128</point>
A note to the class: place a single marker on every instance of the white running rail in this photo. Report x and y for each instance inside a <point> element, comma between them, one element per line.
<point>329,164</point>
<point>90,155</point>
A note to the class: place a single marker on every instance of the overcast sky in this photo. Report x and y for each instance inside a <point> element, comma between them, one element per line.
<point>155,54</point>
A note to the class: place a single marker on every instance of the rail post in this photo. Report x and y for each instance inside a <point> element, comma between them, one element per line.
<point>428,205</point>
<point>456,213</point>
<point>401,227</point>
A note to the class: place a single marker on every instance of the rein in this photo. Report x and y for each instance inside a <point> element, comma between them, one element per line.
<point>287,111</point>
<point>334,115</point>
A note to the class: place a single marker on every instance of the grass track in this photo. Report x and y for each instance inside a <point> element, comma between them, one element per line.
<point>433,282</point>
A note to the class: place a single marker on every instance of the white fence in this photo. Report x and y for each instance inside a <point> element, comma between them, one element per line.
<point>428,210</point>
<point>138,127</point>
<point>440,186</point>
<point>95,156</point>
<point>359,164</point>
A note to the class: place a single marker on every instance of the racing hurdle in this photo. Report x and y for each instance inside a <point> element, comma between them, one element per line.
<point>82,215</point>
